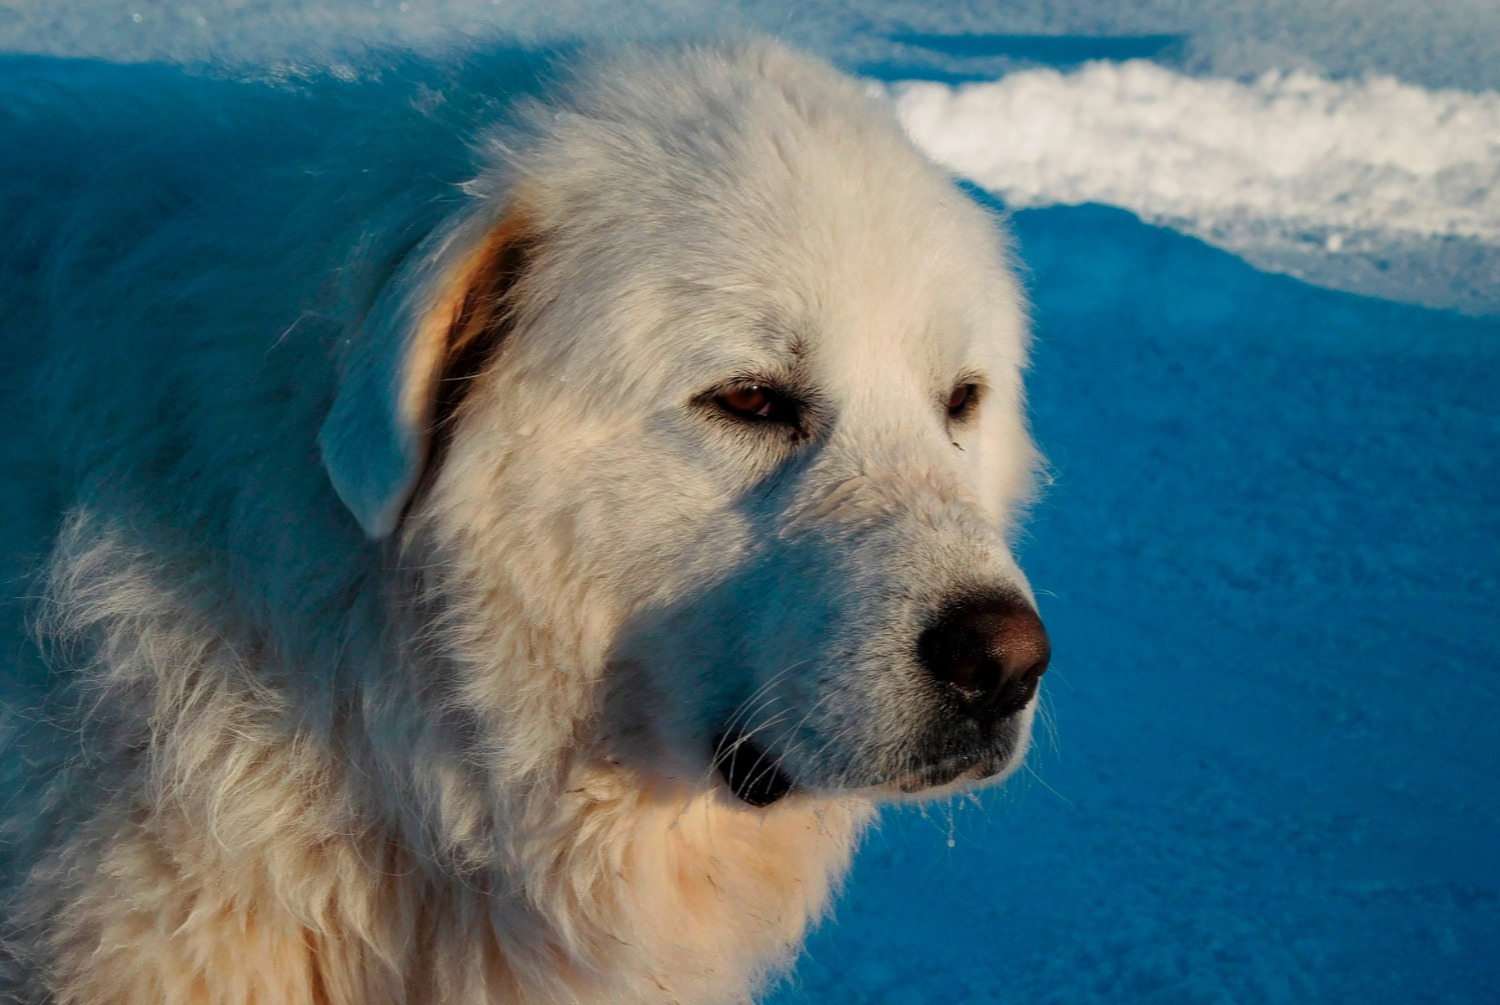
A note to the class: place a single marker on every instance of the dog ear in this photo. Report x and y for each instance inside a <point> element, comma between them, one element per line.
<point>438,320</point>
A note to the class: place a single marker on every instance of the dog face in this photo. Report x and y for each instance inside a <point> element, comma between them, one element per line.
<point>750,444</point>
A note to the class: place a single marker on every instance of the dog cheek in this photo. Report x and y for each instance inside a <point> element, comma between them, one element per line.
<point>668,532</point>
<point>672,548</point>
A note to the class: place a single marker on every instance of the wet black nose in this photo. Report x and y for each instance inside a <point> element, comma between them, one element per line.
<point>989,651</point>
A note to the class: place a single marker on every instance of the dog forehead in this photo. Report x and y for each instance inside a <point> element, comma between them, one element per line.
<point>855,306</point>
<point>858,305</point>
<point>747,205</point>
<point>810,332</point>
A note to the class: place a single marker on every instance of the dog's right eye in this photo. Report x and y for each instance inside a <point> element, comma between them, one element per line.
<point>758,403</point>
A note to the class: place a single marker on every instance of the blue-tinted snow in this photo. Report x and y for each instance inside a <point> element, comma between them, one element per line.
<point>1448,43</point>
<point>1270,558</point>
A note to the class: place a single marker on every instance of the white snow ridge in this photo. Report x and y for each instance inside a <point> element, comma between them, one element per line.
<point>1371,185</point>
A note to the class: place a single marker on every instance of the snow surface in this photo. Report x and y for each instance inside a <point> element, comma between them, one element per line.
<point>1270,556</point>
<point>1293,171</point>
<point>1442,43</point>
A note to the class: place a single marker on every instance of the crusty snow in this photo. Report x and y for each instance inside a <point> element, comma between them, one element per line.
<point>1289,163</point>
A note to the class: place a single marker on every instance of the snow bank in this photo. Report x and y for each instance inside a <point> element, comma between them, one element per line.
<point>1375,185</point>
<point>1454,43</point>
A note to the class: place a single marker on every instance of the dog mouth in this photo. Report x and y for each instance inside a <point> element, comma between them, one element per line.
<point>971,769</point>
<point>756,777</point>
<point>957,762</point>
<point>751,773</point>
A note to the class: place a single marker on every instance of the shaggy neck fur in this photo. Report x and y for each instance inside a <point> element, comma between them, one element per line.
<point>250,852</point>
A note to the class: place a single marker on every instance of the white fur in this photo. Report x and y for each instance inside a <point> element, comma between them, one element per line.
<point>325,707</point>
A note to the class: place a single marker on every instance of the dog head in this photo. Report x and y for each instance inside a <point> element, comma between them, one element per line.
<point>708,415</point>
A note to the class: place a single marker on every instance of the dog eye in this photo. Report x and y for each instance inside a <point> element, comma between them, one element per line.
<point>962,399</point>
<point>758,403</point>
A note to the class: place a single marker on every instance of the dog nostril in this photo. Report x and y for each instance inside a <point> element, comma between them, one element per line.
<point>990,651</point>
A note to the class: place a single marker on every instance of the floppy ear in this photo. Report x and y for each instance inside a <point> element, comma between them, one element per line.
<point>405,370</point>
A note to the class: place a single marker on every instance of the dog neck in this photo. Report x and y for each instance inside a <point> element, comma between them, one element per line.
<point>245,850</point>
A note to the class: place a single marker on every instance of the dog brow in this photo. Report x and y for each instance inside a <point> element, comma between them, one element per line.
<point>781,359</point>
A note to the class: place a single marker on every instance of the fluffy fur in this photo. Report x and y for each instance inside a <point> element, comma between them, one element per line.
<point>391,566</point>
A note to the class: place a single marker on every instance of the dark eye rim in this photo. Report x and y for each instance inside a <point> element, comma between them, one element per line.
<point>967,393</point>
<point>779,407</point>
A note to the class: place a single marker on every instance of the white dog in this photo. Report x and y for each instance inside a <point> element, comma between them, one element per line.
<point>494,532</point>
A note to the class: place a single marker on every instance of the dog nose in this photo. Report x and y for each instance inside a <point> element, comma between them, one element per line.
<point>990,651</point>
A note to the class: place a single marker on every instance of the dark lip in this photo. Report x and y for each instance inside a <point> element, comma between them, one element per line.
<point>934,776</point>
<point>971,755</point>
<point>751,773</point>
<point>756,778</point>
<point>965,766</point>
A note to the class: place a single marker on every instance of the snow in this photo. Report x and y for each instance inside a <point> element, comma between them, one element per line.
<point>1289,168</point>
<point>1450,43</point>
<point>1269,558</point>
